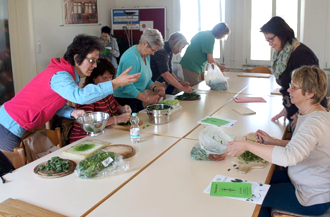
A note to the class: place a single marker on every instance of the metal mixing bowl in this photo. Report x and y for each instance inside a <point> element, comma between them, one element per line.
<point>159,113</point>
<point>94,122</point>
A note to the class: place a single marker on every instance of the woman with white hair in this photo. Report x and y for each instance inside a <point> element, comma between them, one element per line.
<point>138,57</point>
<point>161,64</point>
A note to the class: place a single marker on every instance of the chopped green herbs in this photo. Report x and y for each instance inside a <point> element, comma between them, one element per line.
<point>250,157</point>
<point>83,147</point>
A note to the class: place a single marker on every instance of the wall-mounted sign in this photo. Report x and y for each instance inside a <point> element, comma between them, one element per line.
<point>125,18</point>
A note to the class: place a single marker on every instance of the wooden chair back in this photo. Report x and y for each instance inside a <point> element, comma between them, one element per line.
<point>260,69</point>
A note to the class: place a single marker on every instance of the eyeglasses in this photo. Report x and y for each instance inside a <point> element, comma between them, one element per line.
<point>271,40</point>
<point>151,47</point>
<point>293,87</point>
<point>93,61</point>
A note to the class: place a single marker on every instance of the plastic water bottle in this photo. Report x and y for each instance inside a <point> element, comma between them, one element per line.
<point>135,129</point>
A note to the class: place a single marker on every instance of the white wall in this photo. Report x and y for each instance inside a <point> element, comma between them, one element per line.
<point>32,21</point>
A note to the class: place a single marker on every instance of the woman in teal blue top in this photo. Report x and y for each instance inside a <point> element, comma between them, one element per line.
<point>200,51</point>
<point>138,57</point>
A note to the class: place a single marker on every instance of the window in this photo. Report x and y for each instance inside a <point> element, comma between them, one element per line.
<point>259,51</point>
<point>201,15</point>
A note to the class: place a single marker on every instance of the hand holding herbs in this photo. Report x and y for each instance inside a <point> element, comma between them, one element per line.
<point>55,164</point>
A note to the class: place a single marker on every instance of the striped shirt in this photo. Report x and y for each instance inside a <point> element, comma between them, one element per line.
<point>108,105</point>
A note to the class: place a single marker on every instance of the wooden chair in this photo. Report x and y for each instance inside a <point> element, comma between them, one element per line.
<point>260,69</point>
<point>18,157</point>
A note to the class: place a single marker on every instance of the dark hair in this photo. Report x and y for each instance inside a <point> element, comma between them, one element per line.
<point>82,45</point>
<point>220,30</point>
<point>103,66</point>
<point>280,28</point>
<point>106,29</point>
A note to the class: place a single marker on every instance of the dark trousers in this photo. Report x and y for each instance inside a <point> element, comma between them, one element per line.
<point>282,196</point>
<point>8,140</point>
<point>135,104</point>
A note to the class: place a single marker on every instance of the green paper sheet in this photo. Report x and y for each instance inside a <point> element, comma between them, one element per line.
<point>215,121</point>
<point>231,189</point>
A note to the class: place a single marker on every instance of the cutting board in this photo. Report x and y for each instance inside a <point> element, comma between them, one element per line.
<point>254,75</point>
<point>126,151</point>
<point>245,167</point>
<point>73,151</point>
<point>123,127</point>
<point>13,207</point>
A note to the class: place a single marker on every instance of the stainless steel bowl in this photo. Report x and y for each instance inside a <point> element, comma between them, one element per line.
<point>159,113</point>
<point>93,122</point>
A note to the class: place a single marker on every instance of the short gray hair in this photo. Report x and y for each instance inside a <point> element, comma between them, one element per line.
<point>177,40</point>
<point>153,37</point>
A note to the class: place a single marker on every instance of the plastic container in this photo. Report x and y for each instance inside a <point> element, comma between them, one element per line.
<point>135,129</point>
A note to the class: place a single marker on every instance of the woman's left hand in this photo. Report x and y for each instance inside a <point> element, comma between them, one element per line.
<point>160,91</point>
<point>76,113</point>
<point>236,148</point>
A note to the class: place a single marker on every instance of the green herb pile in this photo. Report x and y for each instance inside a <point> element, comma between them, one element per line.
<point>92,165</point>
<point>187,96</point>
<point>55,164</point>
<point>250,157</point>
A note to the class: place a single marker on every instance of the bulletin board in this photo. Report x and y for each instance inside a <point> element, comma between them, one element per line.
<point>135,20</point>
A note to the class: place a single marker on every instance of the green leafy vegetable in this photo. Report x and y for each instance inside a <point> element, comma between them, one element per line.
<point>171,102</point>
<point>250,157</point>
<point>125,124</point>
<point>188,96</point>
<point>92,165</point>
<point>55,164</point>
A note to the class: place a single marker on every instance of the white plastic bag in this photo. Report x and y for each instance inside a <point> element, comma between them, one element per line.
<point>214,77</point>
<point>212,144</point>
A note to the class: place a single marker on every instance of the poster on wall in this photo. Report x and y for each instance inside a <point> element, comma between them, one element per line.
<point>146,25</point>
<point>125,18</point>
<point>80,12</point>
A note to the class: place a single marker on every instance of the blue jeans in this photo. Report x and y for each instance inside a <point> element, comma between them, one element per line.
<point>282,196</point>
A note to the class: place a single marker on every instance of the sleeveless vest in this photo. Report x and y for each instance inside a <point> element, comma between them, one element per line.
<point>37,103</point>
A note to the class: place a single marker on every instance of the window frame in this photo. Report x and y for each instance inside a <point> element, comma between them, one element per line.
<point>247,39</point>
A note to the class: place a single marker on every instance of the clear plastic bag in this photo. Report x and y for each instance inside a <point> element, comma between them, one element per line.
<point>101,164</point>
<point>214,77</point>
<point>212,145</point>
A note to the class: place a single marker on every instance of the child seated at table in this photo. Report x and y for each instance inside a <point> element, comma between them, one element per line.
<point>104,71</point>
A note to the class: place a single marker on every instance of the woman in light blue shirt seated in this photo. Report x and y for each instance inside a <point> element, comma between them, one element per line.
<point>138,57</point>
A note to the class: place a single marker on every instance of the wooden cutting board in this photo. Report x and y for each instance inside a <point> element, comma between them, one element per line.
<point>254,75</point>
<point>13,207</point>
<point>126,151</point>
<point>123,127</point>
<point>245,167</point>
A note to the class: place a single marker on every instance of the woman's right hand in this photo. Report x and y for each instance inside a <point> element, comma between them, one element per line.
<point>263,137</point>
<point>153,99</point>
<point>187,89</point>
<point>125,79</point>
<point>281,114</point>
<point>123,118</point>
